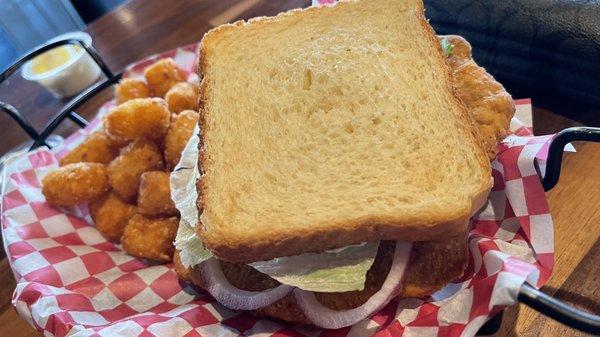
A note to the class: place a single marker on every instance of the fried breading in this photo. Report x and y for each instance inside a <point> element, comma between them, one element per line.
<point>162,75</point>
<point>139,118</point>
<point>115,141</point>
<point>155,194</point>
<point>488,102</point>
<point>182,96</point>
<point>150,238</point>
<point>96,148</point>
<point>432,265</point>
<point>130,88</point>
<point>75,183</point>
<point>124,173</point>
<point>180,269</point>
<point>179,133</point>
<point>111,214</point>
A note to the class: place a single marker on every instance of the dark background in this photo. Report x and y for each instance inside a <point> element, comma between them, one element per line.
<point>548,50</point>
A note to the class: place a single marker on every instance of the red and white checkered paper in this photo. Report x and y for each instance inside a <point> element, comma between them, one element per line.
<point>72,281</point>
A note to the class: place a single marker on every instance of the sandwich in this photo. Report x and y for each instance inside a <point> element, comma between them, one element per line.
<point>341,152</point>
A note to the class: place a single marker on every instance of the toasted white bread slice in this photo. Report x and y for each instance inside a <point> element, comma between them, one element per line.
<point>332,126</point>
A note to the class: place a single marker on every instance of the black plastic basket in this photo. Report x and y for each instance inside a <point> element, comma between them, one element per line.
<point>528,295</point>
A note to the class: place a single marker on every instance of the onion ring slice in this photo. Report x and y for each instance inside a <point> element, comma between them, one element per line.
<point>234,298</point>
<point>327,318</point>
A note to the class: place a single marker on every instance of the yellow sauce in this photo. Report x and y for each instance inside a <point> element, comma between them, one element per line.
<point>53,58</point>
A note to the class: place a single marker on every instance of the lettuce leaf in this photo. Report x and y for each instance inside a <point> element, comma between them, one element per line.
<point>331,271</point>
<point>447,47</point>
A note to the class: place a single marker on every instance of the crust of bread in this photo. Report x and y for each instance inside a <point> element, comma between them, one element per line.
<point>432,265</point>
<point>344,234</point>
<point>424,226</point>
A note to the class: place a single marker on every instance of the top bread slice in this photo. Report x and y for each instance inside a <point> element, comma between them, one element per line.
<point>332,126</point>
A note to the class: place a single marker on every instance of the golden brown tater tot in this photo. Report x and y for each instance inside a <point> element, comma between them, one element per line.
<point>182,96</point>
<point>115,141</point>
<point>75,183</point>
<point>179,133</point>
<point>125,171</point>
<point>140,118</point>
<point>130,88</point>
<point>150,238</point>
<point>111,215</point>
<point>162,75</point>
<point>154,197</point>
<point>96,148</point>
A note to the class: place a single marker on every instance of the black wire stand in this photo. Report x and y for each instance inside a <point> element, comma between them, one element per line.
<point>69,110</point>
<point>528,295</point>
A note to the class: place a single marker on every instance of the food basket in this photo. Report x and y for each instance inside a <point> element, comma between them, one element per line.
<point>72,281</point>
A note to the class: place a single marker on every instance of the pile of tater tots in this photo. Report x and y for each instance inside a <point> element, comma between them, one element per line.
<point>122,170</point>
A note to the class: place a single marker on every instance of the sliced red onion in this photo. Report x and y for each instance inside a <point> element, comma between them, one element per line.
<point>327,318</point>
<point>233,298</point>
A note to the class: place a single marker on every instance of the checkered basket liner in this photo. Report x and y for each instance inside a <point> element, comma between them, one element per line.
<point>71,281</point>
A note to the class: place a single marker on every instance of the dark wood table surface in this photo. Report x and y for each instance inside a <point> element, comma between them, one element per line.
<point>143,27</point>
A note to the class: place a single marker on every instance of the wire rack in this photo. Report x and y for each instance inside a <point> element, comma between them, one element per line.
<point>534,298</point>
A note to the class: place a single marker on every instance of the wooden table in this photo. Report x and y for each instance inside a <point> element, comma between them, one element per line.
<point>143,27</point>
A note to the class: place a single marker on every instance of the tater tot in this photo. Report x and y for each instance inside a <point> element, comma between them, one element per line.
<point>75,183</point>
<point>116,141</point>
<point>140,118</point>
<point>162,75</point>
<point>182,96</point>
<point>182,271</point>
<point>154,197</point>
<point>96,148</point>
<point>150,238</point>
<point>130,88</point>
<point>179,133</point>
<point>111,215</point>
<point>125,171</point>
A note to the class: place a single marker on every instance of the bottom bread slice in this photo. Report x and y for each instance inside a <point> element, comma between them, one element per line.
<point>432,265</point>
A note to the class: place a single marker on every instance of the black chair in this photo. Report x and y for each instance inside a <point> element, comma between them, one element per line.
<point>548,50</point>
